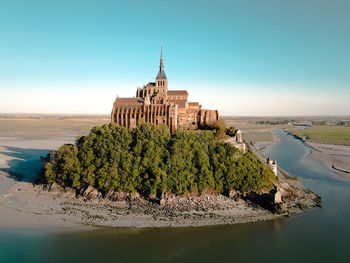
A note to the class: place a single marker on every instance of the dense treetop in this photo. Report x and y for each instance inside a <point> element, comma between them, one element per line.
<point>150,160</point>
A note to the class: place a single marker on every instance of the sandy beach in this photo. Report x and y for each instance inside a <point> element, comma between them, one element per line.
<point>20,207</point>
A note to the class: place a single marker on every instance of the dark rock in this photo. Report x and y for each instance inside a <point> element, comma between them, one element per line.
<point>119,196</point>
<point>232,194</point>
<point>109,195</point>
<point>92,193</point>
<point>152,196</point>
<point>318,201</point>
<point>56,188</point>
<point>70,192</point>
<point>134,197</point>
<point>162,201</point>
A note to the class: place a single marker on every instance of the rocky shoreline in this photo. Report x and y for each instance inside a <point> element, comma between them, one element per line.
<point>132,210</point>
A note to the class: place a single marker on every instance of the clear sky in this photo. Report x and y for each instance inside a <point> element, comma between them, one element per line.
<point>252,57</point>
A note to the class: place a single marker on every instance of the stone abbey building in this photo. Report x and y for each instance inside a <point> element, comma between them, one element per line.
<point>156,104</point>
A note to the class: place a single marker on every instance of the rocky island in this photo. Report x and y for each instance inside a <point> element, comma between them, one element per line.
<point>148,176</point>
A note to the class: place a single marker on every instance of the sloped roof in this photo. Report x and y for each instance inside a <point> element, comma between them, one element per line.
<point>161,75</point>
<point>177,92</point>
<point>128,101</point>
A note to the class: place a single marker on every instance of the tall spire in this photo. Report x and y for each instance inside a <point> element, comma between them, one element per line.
<point>161,66</point>
<point>161,73</point>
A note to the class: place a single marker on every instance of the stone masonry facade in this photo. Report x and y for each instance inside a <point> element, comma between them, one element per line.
<point>154,103</point>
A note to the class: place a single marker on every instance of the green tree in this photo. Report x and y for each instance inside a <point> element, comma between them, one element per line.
<point>150,160</point>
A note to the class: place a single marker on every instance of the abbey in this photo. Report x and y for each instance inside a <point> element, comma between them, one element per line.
<point>156,104</point>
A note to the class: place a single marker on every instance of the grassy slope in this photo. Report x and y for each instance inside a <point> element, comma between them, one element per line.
<point>326,134</point>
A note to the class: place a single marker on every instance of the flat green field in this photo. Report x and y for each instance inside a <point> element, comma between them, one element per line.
<point>49,124</point>
<point>325,134</point>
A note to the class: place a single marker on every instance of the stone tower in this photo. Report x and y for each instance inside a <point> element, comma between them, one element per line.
<point>273,165</point>
<point>161,79</point>
<point>239,137</point>
<point>154,103</point>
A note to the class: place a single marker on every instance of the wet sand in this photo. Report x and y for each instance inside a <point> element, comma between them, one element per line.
<point>336,157</point>
<point>20,206</point>
<point>332,156</point>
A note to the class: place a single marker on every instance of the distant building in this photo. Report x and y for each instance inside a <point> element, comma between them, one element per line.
<point>154,103</point>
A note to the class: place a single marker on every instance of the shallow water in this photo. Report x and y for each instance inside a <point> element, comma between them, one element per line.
<point>319,235</point>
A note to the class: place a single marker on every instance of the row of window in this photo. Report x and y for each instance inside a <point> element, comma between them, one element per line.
<point>149,92</point>
<point>161,83</point>
<point>124,121</point>
<point>177,97</point>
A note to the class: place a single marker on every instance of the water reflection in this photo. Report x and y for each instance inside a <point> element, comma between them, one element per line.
<point>164,245</point>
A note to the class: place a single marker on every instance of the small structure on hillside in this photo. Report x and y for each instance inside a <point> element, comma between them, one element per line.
<point>237,141</point>
<point>50,157</point>
<point>272,164</point>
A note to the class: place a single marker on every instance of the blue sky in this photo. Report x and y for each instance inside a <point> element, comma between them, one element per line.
<point>273,57</point>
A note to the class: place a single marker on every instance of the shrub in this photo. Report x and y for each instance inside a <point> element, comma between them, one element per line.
<point>150,160</point>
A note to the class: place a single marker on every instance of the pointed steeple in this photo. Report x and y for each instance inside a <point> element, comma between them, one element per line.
<point>161,66</point>
<point>161,73</point>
